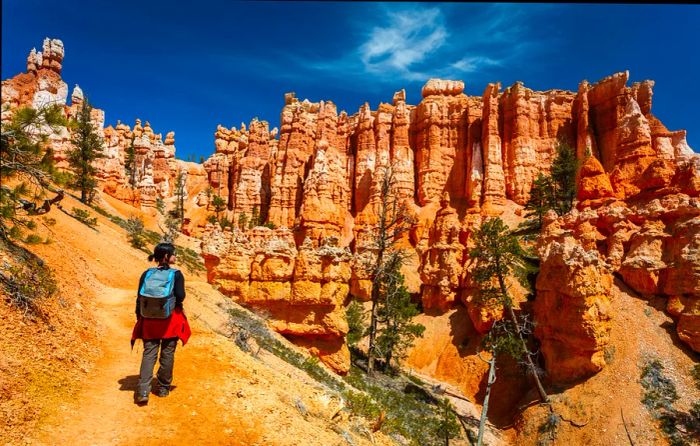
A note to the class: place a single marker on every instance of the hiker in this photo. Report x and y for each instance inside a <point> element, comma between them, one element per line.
<point>160,320</point>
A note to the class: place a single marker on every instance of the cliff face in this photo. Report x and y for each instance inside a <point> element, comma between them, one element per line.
<point>459,159</point>
<point>456,160</point>
<point>155,167</point>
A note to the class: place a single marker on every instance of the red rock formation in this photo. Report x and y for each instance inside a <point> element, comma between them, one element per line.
<point>636,212</point>
<point>533,123</point>
<point>296,147</point>
<point>441,140</point>
<point>494,189</point>
<point>301,291</point>
<point>572,308</point>
<point>441,259</point>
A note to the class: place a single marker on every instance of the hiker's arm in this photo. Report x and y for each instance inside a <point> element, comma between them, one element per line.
<point>138,313</point>
<point>179,289</point>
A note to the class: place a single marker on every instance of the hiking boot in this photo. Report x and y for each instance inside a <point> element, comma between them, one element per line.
<point>163,391</point>
<point>142,398</point>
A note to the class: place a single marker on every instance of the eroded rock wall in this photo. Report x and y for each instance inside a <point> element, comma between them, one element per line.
<point>458,160</point>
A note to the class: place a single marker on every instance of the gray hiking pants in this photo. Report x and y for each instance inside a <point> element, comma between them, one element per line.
<point>148,362</point>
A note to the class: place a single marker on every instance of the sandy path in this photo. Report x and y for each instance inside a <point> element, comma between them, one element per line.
<point>104,412</point>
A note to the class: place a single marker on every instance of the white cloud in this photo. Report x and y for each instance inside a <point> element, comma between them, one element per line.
<point>409,38</point>
<point>414,43</point>
<point>472,64</point>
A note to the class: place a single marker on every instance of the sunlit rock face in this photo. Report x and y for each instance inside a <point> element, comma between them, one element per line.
<point>459,159</point>
<point>456,160</point>
<point>155,167</point>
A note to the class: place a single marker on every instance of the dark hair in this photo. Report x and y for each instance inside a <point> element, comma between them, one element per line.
<point>161,252</point>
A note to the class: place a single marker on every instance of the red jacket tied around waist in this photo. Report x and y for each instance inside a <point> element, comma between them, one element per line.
<point>176,326</point>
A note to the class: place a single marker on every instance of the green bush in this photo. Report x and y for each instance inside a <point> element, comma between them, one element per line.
<point>409,414</point>
<point>660,392</point>
<point>134,227</point>
<point>33,239</point>
<point>63,178</point>
<point>85,217</point>
<point>243,326</point>
<point>659,396</point>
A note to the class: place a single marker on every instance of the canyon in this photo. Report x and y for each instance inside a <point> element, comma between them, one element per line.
<point>314,184</point>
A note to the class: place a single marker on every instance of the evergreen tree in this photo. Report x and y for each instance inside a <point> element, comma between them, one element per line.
<point>219,205</point>
<point>555,191</point>
<point>254,218</point>
<point>180,196</point>
<point>242,221</point>
<point>393,220</point>
<point>396,332</point>
<point>130,164</point>
<point>541,200</point>
<point>24,157</point>
<point>501,339</point>
<point>563,175</point>
<point>499,255</point>
<point>356,323</point>
<point>87,147</point>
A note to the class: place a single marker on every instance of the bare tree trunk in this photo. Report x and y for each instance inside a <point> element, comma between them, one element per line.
<point>485,408</point>
<point>372,331</point>
<point>531,365</point>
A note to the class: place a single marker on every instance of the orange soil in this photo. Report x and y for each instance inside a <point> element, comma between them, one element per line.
<point>75,384</point>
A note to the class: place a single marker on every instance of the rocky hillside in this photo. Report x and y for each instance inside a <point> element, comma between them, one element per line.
<point>314,187</point>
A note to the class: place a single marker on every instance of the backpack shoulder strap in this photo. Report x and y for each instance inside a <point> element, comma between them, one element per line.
<point>149,271</point>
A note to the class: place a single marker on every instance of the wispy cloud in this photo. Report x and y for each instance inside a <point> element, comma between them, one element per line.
<point>422,42</point>
<point>409,38</point>
<point>392,42</point>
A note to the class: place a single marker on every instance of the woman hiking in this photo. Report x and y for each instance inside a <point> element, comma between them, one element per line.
<point>160,320</point>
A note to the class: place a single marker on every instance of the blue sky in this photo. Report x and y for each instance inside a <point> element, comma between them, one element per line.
<point>188,68</point>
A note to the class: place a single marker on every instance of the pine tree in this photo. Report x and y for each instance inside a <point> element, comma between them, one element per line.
<point>354,313</point>
<point>242,221</point>
<point>498,254</point>
<point>555,191</point>
<point>87,147</point>
<point>563,175</point>
<point>396,332</point>
<point>501,339</point>
<point>219,205</point>
<point>254,218</point>
<point>130,164</point>
<point>541,199</point>
<point>393,220</point>
<point>25,157</point>
<point>180,196</point>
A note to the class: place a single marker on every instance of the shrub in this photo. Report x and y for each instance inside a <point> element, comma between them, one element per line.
<point>243,325</point>
<point>660,391</point>
<point>134,228</point>
<point>27,283</point>
<point>33,239</point>
<point>409,414</point>
<point>84,217</point>
<point>63,178</point>
<point>548,429</point>
<point>355,316</point>
<point>695,373</point>
<point>659,395</point>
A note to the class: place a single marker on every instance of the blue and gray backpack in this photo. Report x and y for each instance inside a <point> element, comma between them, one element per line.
<point>157,294</point>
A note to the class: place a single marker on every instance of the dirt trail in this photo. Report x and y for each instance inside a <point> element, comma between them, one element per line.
<point>104,412</point>
<point>221,395</point>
